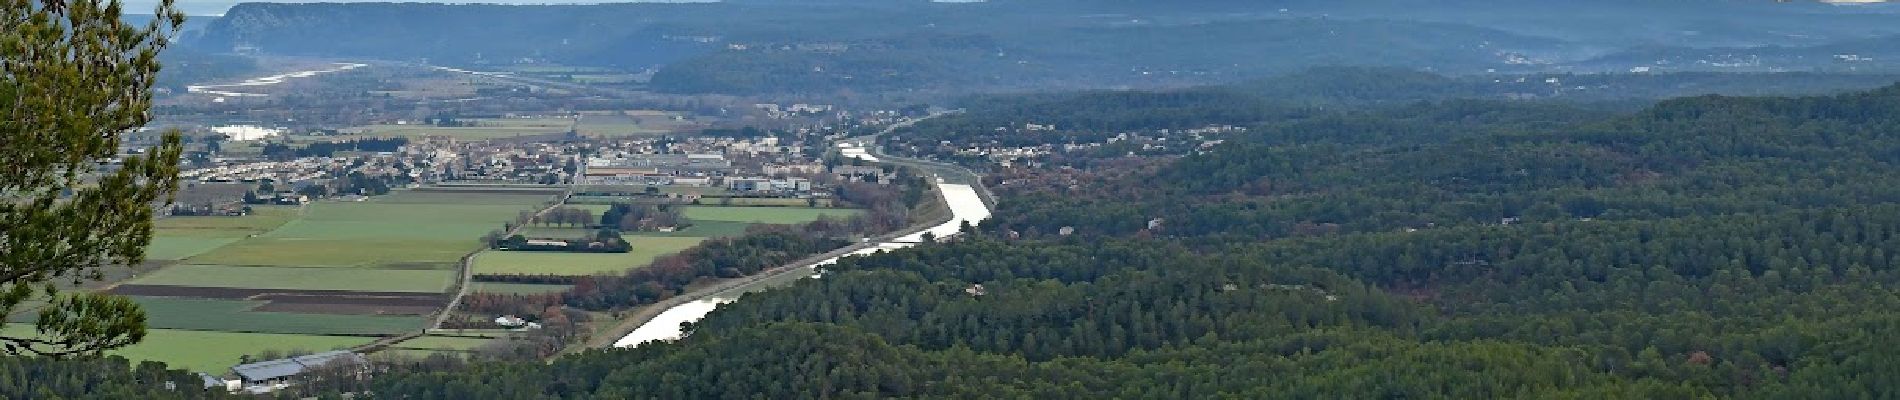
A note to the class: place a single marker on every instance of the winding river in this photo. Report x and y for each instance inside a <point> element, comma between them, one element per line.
<point>221,90</point>
<point>965,206</point>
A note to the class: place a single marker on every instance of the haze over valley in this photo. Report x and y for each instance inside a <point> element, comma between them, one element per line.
<point>1087,199</point>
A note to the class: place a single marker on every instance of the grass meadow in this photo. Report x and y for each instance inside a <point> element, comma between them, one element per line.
<point>214,352</point>
<point>171,248</point>
<point>645,249</point>
<point>177,238</point>
<point>708,222</point>
<point>302,278</point>
<point>409,229</point>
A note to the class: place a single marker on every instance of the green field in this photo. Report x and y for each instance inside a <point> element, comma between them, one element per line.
<point>443,343</point>
<point>702,229</point>
<point>408,229</point>
<point>408,241</point>
<point>216,352</point>
<point>764,215</point>
<point>414,354</point>
<point>236,316</point>
<point>177,238</point>
<point>213,352</point>
<point>262,219</point>
<point>645,249</point>
<point>517,288</point>
<point>265,277</point>
<point>167,248</point>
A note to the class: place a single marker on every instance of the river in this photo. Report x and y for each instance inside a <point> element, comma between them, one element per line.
<point>965,206</point>
<point>219,90</point>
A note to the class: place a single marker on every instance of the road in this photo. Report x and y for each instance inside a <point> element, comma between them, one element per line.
<point>467,276</point>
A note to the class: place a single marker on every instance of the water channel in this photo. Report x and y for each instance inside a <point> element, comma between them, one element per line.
<point>223,91</point>
<point>965,206</point>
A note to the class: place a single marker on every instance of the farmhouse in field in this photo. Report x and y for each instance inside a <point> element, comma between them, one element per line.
<point>268,376</point>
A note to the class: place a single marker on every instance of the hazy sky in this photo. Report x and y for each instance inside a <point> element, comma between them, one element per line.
<point>217,7</point>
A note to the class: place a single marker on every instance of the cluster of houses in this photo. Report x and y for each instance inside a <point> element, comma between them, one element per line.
<point>788,187</point>
<point>246,170</point>
<point>655,169</point>
<point>505,162</point>
<point>1172,141</point>
<point>776,111</point>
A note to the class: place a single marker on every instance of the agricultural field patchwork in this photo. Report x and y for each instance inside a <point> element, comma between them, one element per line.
<point>404,230</point>
<point>243,316</point>
<point>285,277</point>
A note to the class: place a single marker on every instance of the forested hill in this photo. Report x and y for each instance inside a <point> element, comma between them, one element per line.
<point>1727,247</point>
<point>857,47</point>
<point>1307,105</point>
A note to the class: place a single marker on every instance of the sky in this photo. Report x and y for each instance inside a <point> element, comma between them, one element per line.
<point>217,7</point>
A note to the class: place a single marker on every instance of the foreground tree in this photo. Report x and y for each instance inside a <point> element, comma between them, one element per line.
<point>73,77</point>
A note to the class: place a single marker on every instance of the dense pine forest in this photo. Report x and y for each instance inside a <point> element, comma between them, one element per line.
<point>1709,246</point>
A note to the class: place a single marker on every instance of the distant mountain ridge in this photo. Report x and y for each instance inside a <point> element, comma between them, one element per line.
<point>828,46</point>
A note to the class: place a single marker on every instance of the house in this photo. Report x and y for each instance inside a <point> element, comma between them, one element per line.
<point>747,184</point>
<point>268,376</point>
<point>229,385</point>
<point>290,199</point>
<point>516,322</point>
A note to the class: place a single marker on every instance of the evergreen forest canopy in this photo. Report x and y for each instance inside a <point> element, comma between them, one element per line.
<point>1732,247</point>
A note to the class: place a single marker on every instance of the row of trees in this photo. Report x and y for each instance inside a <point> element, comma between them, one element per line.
<point>644,217</point>
<point>602,241</point>
<point>564,216</point>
